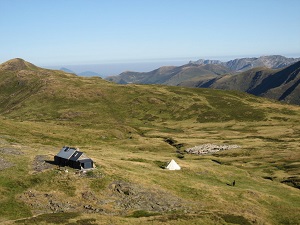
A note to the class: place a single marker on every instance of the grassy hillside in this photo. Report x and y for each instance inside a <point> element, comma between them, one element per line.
<point>281,84</point>
<point>258,79</point>
<point>124,129</point>
<point>171,75</point>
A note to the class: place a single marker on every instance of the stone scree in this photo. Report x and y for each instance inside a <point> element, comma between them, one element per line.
<point>209,148</point>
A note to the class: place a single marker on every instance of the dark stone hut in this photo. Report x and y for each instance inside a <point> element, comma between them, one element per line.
<point>72,157</point>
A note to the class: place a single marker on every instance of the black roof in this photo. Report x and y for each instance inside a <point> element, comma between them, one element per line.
<point>75,156</point>
<point>72,154</point>
<point>85,160</point>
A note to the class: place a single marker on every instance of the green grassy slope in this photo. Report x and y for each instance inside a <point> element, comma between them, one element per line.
<point>123,128</point>
<point>277,84</point>
<point>171,75</point>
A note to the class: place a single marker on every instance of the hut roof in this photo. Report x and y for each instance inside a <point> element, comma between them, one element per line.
<point>66,152</point>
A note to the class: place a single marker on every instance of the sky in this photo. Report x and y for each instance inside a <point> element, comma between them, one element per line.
<point>75,32</point>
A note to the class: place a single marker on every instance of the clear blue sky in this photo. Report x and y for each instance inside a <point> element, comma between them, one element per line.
<point>50,32</point>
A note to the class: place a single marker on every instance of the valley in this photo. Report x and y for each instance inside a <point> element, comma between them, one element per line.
<point>124,129</point>
<point>274,77</point>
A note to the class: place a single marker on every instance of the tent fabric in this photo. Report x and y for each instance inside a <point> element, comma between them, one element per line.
<point>173,165</point>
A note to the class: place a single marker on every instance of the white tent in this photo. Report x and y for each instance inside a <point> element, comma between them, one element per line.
<point>173,166</point>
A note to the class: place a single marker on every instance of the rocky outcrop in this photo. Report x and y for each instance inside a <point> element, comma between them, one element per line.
<point>209,148</point>
<point>41,163</point>
<point>40,202</point>
<point>5,164</point>
<point>120,198</point>
<point>134,197</point>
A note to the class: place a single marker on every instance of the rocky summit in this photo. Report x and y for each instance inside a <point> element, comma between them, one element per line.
<point>243,64</point>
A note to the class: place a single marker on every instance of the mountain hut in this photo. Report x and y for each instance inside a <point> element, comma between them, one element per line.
<point>72,157</point>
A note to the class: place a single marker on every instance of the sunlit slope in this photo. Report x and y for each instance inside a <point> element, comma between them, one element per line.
<point>282,85</point>
<point>36,94</point>
<point>124,129</point>
<point>39,94</point>
<point>171,75</point>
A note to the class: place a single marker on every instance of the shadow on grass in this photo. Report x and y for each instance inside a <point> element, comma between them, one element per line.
<point>231,184</point>
<point>233,219</point>
<point>51,162</point>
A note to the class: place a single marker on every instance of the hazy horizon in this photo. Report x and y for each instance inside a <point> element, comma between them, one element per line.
<point>112,68</point>
<point>115,68</point>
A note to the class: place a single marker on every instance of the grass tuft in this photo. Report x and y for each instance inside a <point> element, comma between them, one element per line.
<point>143,213</point>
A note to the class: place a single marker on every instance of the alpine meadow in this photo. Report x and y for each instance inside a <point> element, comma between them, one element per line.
<point>131,132</point>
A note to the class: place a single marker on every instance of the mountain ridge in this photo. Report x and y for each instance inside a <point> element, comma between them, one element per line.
<point>223,75</point>
<point>282,84</point>
<point>243,64</point>
<point>84,73</point>
<point>162,75</point>
<point>170,75</point>
<point>66,70</point>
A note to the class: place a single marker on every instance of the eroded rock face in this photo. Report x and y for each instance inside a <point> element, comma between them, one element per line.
<point>133,196</point>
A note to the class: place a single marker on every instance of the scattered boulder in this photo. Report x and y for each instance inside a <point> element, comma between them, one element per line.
<point>92,209</point>
<point>131,196</point>
<point>40,202</point>
<point>209,148</point>
<point>4,164</point>
<point>88,195</point>
<point>59,206</point>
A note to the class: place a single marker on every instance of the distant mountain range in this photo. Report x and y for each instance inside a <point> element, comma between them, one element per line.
<point>282,84</point>
<point>200,69</point>
<point>83,74</point>
<point>66,70</point>
<point>273,76</point>
<point>89,74</point>
<point>243,64</point>
<point>171,75</point>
